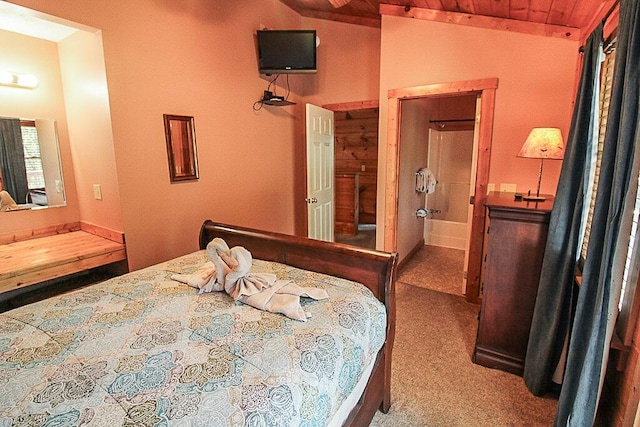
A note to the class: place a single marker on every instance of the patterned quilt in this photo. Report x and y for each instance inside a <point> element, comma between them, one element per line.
<point>144,350</point>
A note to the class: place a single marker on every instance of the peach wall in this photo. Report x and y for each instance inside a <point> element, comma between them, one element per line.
<point>348,61</point>
<point>25,54</point>
<point>89,120</point>
<point>536,81</point>
<point>199,59</point>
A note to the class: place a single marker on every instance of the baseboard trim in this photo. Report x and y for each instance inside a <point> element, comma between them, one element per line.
<point>52,230</point>
<point>498,360</point>
<point>35,233</point>
<point>114,236</point>
<point>411,253</point>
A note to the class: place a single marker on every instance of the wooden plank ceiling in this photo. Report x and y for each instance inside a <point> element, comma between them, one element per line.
<point>574,14</point>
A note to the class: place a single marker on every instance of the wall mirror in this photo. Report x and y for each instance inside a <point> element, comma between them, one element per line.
<point>181,147</point>
<point>30,166</point>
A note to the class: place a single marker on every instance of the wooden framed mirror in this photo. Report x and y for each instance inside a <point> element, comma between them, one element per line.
<point>181,147</point>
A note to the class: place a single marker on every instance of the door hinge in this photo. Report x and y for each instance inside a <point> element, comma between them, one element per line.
<point>472,200</point>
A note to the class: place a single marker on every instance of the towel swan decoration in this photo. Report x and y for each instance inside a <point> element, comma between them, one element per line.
<point>229,270</point>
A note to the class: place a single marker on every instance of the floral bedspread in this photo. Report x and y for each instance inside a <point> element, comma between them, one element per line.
<point>144,350</point>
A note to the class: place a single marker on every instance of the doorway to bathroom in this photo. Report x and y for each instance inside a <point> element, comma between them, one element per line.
<point>451,144</point>
<point>402,232</point>
<point>437,142</point>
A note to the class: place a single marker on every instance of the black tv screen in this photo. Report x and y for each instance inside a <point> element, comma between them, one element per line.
<point>287,51</point>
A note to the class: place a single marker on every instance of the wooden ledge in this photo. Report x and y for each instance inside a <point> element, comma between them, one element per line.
<point>40,259</point>
<point>36,233</point>
<point>52,230</point>
<point>115,236</point>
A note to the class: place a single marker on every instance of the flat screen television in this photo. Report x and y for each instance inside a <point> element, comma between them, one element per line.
<point>287,51</point>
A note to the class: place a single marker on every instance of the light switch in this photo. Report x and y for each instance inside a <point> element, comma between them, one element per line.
<point>97,191</point>
<point>59,188</point>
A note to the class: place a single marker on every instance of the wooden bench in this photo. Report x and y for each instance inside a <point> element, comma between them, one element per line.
<point>27,262</point>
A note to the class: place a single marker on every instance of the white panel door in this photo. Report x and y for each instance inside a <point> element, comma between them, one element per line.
<point>320,176</point>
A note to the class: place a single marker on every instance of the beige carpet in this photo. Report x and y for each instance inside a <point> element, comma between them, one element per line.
<point>434,381</point>
<point>365,238</point>
<point>435,268</point>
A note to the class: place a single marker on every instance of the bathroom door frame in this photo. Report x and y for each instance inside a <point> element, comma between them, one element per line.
<point>486,89</point>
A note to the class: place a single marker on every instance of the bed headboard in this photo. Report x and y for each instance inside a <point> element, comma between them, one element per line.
<point>374,269</point>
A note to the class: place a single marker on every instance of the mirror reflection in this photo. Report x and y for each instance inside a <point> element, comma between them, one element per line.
<point>30,168</point>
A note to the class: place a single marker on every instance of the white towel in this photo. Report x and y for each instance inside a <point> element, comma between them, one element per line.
<point>229,270</point>
<point>204,278</point>
<point>425,181</point>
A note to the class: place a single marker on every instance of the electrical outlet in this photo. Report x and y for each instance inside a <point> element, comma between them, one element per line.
<point>97,192</point>
<point>363,168</point>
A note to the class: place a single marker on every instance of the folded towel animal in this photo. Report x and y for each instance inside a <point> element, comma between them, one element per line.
<point>204,278</point>
<point>229,270</point>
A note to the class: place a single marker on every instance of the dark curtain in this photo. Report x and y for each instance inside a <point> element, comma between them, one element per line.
<point>14,173</point>
<point>589,345</point>
<point>552,312</point>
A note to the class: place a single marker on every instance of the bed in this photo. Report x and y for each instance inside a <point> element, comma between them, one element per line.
<point>143,349</point>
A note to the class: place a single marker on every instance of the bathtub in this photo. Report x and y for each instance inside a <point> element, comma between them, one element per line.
<point>448,234</point>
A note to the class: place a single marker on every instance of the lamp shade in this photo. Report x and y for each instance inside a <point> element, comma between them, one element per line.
<point>543,143</point>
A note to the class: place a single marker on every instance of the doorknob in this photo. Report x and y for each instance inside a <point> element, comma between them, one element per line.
<point>311,200</point>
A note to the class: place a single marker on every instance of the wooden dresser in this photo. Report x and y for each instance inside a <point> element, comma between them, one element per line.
<point>517,234</point>
<point>347,192</point>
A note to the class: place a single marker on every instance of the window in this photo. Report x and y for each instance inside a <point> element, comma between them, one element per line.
<point>627,305</point>
<point>627,274</point>
<point>606,78</point>
<point>32,158</point>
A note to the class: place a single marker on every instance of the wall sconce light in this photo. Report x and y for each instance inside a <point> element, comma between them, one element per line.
<point>542,143</point>
<point>25,81</point>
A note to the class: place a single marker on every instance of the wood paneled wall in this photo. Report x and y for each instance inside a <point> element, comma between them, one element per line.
<point>356,151</point>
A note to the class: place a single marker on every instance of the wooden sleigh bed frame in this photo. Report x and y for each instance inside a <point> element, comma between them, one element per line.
<point>376,270</point>
<point>145,349</point>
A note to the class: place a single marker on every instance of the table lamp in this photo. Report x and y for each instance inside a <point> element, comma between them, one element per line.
<point>542,143</point>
